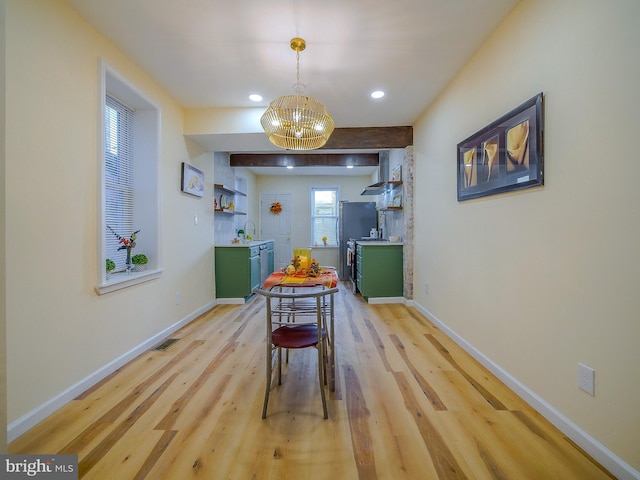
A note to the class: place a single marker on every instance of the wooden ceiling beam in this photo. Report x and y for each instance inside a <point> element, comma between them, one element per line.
<point>303,159</point>
<point>370,138</point>
<point>362,138</point>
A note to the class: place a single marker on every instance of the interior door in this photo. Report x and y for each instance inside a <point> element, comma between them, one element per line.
<point>277,226</point>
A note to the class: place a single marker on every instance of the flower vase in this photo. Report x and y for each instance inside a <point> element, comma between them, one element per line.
<point>128,261</point>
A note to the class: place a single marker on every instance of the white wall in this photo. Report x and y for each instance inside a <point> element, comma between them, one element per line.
<point>59,331</point>
<point>545,278</point>
<point>300,186</point>
<point>3,317</point>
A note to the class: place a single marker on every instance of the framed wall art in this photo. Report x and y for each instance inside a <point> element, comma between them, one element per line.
<point>505,155</point>
<point>192,180</point>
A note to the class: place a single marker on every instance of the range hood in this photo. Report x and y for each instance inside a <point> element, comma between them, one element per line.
<point>380,186</point>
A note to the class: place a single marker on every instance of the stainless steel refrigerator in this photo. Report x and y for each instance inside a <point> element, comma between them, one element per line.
<point>355,220</point>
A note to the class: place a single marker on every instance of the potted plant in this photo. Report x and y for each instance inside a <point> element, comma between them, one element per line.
<point>110,267</point>
<point>139,261</point>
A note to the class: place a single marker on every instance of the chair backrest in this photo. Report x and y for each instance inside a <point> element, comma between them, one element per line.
<point>304,305</point>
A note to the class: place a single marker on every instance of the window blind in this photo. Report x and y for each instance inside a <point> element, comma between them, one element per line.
<point>118,176</point>
<point>324,215</point>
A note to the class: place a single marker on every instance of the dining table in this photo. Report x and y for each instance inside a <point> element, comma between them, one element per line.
<point>327,277</point>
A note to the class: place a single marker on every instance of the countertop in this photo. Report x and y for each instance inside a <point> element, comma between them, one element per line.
<point>381,243</point>
<point>252,243</point>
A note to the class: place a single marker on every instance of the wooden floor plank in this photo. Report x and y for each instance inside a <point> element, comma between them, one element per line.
<point>409,403</point>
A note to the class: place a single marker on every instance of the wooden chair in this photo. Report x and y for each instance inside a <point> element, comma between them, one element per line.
<point>298,319</point>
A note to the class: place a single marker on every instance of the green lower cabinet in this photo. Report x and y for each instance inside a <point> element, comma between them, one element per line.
<point>237,271</point>
<point>379,270</point>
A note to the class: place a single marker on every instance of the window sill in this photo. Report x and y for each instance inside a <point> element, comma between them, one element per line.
<point>121,280</point>
<point>323,246</point>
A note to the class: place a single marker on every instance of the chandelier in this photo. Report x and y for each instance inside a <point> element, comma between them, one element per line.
<point>297,122</point>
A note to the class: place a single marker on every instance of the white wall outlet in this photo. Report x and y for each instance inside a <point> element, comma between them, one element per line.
<point>426,288</point>
<point>178,298</point>
<point>195,219</point>
<point>586,379</point>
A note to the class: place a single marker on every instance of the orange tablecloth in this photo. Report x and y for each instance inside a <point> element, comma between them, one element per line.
<point>328,279</point>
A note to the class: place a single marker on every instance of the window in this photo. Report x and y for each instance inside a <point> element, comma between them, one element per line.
<point>118,178</point>
<point>324,215</point>
<point>129,154</point>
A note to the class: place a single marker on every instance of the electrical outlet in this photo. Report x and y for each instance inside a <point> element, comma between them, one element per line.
<point>178,298</point>
<point>426,288</point>
<point>195,219</point>
<point>586,379</point>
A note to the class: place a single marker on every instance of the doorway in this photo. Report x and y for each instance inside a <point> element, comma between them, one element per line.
<point>277,226</point>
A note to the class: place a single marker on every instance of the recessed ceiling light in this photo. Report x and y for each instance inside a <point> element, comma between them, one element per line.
<point>349,166</point>
<point>377,94</point>
<point>290,167</point>
<point>254,97</point>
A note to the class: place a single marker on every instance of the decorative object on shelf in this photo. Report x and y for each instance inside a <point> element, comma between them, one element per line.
<point>297,122</point>
<point>126,244</point>
<point>110,266</point>
<point>139,261</point>
<point>192,180</point>
<point>397,174</point>
<point>505,155</point>
<point>276,208</point>
<point>324,241</point>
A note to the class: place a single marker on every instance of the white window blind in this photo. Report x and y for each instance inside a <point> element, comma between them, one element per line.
<point>119,186</point>
<point>324,215</point>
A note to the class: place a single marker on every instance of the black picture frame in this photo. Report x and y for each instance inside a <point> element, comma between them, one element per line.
<point>192,180</point>
<point>505,155</point>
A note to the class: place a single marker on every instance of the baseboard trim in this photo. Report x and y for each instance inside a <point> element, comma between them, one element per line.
<point>231,301</point>
<point>32,418</point>
<point>383,300</point>
<point>609,460</point>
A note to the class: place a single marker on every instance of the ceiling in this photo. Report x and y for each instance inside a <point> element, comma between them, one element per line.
<point>214,53</point>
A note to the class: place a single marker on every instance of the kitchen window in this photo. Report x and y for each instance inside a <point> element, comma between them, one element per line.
<point>324,216</point>
<point>129,155</point>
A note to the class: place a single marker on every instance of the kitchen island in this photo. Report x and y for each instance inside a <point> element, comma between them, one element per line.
<point>240,267</point>
<point>379,271</point>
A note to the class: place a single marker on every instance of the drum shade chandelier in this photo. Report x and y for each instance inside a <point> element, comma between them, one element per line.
<point>297,122</point>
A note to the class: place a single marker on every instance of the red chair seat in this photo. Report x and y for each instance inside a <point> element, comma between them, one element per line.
<point>299,336</point>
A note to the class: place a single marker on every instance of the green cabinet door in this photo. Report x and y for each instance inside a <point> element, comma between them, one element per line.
<point>380,270</point>
<point>237,271</point>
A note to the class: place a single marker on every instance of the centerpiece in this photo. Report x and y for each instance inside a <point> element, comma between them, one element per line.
<point>126,244</point>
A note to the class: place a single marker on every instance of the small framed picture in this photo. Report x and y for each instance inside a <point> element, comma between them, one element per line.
<point>192,180</point>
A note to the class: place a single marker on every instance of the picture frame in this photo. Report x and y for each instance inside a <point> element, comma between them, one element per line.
<point>192,180</point>
<point>504,156</point>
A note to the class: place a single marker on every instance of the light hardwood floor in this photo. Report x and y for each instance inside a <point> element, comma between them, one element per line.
<point>409,404</point>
